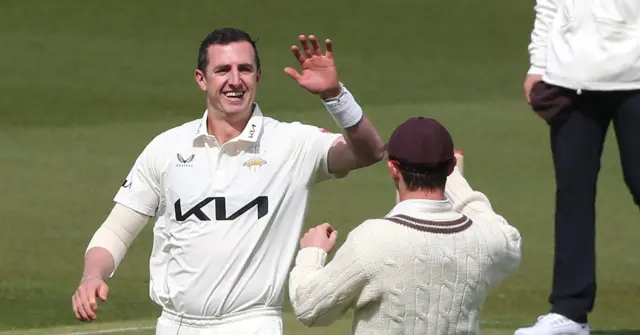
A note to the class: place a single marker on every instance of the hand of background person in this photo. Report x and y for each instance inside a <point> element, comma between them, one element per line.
<point>319,75</point>
<point>529,81</point>
<point>84,299</point>
<point>322,236</point>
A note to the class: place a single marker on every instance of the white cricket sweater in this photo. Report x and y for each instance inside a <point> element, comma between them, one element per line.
<point>424,269</point>
<point>587,44</point>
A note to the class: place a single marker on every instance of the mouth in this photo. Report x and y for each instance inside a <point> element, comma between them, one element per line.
<point>236,95</point>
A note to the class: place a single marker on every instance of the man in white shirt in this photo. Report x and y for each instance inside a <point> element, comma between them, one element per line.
<point>584,74</point>
<point>230,191</point>
<point>427,266</point>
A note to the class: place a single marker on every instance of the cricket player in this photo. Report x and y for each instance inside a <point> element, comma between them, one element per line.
<point>230,191</point>
<point>424,268</point>
<point>583,78</point>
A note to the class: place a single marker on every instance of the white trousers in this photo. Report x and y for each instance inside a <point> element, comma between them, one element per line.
<point>262,322</point>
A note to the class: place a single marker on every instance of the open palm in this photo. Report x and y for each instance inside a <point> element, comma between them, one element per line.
<point>318,71</point>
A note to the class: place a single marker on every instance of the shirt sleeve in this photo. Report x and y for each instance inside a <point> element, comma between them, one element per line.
<point>507,254</point>
<point>140,190</point>
<point>118,232</point>
<point>322,294</point>
<point>315,143</point>
<point>545,11</point>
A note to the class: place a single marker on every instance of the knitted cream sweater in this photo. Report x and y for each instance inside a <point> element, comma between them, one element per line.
<point>424,269</point>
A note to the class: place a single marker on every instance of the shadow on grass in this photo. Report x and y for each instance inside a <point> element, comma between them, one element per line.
<point>616,332</point>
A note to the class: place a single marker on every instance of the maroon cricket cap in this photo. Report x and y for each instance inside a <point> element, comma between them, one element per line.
<point>420,143</point>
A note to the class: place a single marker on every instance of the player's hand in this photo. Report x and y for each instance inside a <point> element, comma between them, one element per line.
<point>319,75</point>
<point>322,236</point>
<point>529,81</point>
<point>84,299</point>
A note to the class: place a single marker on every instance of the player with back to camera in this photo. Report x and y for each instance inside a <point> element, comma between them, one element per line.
<point>230,191</point>
<point>424,268</point>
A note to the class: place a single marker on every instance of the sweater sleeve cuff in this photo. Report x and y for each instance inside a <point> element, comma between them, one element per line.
<point>457,188</point>
<point>311,256</point>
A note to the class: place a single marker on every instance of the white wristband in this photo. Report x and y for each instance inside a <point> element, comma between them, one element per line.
<point>344,109</point>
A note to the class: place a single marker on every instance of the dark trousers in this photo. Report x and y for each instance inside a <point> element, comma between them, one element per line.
<point>576,145</point>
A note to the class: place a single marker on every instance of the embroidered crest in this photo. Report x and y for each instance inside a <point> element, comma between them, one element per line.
<point>255,159</point>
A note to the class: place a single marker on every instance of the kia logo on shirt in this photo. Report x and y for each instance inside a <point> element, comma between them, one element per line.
<point>220,204</point>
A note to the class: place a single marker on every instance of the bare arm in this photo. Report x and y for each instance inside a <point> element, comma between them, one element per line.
<point>360,145</point>
<point>98,263</point>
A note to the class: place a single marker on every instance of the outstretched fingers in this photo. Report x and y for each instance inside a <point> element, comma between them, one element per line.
<point>305,45</point>
<point>317,50</point>
<point>297,54</point>
<point>311,47</point>
<point>291,72</point>
<point>329,44</point>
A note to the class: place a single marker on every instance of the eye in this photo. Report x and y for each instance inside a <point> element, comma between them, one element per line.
<point>246,68</point>
<point>222,69</point>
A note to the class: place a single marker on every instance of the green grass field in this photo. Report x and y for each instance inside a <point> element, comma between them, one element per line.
<point>84,86</point>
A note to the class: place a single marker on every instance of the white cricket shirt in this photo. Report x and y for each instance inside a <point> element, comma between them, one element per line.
<point>229,216</point>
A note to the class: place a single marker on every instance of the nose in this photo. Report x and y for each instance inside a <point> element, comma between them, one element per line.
<point>234,77</point>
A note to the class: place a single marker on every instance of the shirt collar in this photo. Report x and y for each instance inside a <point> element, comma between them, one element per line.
<point>421,205</point>
<point>251,131</point>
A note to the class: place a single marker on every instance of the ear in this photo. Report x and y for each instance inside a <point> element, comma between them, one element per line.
<point>201,79</point>
<point>395,174</point>
<point>452,165</point>
<point>258,75</point>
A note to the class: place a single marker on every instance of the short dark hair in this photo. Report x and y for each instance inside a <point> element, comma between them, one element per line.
<point>427,179</point>
<point>224,36</point>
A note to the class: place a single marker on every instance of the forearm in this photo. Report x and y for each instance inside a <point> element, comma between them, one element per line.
<point>360,145</point>
<point>98,262</point>
<point>475,204</point>
<point>463,197</point>
<point>110,242</point>
<point>364,142</point>
<point>319,295</point>
<point>545,11</point>
<point>509,254</point>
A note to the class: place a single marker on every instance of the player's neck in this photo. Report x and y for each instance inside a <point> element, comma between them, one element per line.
<point>437,195</point>
<point>225,128</point>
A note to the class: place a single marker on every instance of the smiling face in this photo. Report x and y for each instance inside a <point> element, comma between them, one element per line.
<point>230,79</point>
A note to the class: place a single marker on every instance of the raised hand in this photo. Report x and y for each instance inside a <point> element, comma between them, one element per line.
<point>319,75</point>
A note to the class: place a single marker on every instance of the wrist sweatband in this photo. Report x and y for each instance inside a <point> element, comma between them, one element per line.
<point>344,109</point>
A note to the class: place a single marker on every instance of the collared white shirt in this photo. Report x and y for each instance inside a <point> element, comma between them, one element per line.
<point>229,216</point>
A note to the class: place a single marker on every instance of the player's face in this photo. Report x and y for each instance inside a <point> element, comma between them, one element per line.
<point>231,78</point>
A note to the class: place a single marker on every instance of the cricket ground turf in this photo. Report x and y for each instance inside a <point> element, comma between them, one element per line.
<point>85,85</point>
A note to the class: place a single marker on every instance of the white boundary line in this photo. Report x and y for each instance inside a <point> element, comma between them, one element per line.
<point>109,331</point>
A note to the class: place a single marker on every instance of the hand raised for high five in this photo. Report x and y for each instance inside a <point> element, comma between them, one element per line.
<point>319,75</point>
